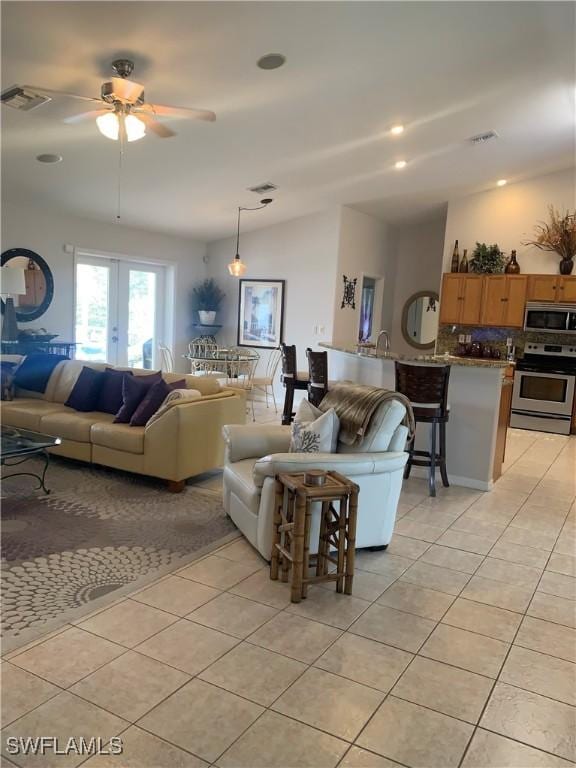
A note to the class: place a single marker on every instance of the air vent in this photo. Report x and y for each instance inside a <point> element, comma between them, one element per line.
<point>262,189</point>
<point>482,138</point>
<point>25,100</point>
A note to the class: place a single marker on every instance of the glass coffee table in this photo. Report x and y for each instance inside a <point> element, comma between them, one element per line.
<point>19,445</point>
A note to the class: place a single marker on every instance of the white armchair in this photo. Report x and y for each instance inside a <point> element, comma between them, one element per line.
<point>255,454</point>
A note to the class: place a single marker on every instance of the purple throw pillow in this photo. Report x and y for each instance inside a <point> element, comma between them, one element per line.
<point>86,391</point>
<point>152,400</point>
<point>111,398</point>
<point>133,390</point>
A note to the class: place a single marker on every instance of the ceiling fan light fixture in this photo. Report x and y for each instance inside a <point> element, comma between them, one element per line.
<point>109,125</point>
<point>135,128</point>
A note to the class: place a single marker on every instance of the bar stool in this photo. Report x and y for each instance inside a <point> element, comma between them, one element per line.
<point>318,376</point>
<point>426,386</point>
<point>292,380</point>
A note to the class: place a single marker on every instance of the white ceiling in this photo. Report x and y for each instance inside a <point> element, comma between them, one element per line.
<point>317,127</point>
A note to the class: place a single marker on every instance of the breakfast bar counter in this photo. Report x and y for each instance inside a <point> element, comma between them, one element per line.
<point>474,395</point>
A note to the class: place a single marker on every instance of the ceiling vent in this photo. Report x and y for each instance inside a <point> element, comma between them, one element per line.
<point>262,189</point>
<point>482,138</point>
<point>25,100</point>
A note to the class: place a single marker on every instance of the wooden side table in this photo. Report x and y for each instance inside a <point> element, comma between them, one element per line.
<point>291,537</point>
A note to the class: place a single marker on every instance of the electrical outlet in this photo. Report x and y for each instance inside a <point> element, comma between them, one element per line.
<point>461,338</point>
<point>321,330</point>
<point>468,338</point>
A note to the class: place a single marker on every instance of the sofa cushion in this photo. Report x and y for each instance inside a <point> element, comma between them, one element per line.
<point>72,425</point>
<point>86,392</point>
<point>314,431</point>
<point>381,430</point>
<point>120,437</point>
<point>26,413</point>
<point>134,389</point>
<point>110,397</point>
<point>152,401</point>
<point>69,371</point>
<point>239,480</point>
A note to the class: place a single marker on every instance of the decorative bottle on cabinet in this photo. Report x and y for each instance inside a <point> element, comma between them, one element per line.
<point>455,258</point>
<point>512,267</point>
<point>463,262</point>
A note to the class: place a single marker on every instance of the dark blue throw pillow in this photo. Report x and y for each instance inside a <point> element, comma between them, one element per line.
<point>35,370</point>
<point>110,400</point>
<point>86,392</point>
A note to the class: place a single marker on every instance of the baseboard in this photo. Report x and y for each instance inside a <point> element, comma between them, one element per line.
<point>464,482</point>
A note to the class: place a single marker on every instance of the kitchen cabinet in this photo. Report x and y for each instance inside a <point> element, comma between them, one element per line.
<point>504,300</point>
<point>553,288</point>
<point>461,299</point>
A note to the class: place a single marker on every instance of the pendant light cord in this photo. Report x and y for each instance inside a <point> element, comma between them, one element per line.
<point>264,203</point>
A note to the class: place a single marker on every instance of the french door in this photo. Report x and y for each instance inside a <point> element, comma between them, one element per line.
<point>118,311</point>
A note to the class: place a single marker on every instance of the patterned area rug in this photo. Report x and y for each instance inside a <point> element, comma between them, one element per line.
<point>98,534</point>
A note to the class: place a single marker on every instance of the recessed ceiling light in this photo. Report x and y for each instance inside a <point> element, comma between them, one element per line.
<point>400,164</point>
<point>501,182</point>
<point>396,130</point>
<point>271,61</point>
<point>48,158</point>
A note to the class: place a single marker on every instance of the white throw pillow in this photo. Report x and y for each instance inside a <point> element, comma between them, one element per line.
<point>314,431</point>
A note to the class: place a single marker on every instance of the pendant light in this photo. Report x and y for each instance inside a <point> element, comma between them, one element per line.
<point>237,267</point>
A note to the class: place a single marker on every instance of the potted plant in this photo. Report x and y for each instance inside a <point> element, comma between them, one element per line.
<point>559,236</point>
<point>206,299</point>
<point>487,259</point>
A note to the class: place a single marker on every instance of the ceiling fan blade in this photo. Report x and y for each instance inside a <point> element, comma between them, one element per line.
<point>162,110</point>
<point>84,116</point>
<point>51,92</point>
<point>162,131</point>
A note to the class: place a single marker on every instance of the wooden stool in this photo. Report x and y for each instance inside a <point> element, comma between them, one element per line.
<point>291,537</point>
<point>426,386</point>
<point>292,380</point>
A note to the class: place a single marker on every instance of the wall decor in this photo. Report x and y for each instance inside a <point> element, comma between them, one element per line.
<point>261,313</point>
<point>558,235</point>
<point>512,267</point>
<point>39,284</point>
<point>349,294</point>
<point>420,319</point>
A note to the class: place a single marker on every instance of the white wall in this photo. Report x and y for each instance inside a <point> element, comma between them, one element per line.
<point>45,232</point>
<point>416,249</point>
<point>362,250</point>
<point>507,215</point>
<point>304,253</point>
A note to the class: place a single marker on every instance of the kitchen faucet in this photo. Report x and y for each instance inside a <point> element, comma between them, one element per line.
<point>387,342</point>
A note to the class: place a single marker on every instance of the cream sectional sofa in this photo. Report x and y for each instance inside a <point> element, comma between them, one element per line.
<point>184,441</point>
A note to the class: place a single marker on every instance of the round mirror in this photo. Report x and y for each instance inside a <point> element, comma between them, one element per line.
<point>38,282</point>
<point>420,319</point>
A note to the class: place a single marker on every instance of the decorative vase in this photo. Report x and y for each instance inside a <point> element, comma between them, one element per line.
<point>512,267</point>
<point>566,266</point>
<point>207,317</point>
<point>455,258</point>
<point>463,267</point>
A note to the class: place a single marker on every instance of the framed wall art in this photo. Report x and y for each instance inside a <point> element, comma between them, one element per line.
<point>261,313</point>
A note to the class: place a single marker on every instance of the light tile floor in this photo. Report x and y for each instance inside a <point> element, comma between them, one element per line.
<point>458,647</point>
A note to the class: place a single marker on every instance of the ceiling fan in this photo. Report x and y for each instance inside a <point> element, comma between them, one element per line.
<point>122,112</point>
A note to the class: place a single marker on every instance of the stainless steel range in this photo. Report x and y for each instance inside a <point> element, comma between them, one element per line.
<point>543,395</point>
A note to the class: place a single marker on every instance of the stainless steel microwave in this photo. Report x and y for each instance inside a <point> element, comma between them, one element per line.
<point>550,318</point>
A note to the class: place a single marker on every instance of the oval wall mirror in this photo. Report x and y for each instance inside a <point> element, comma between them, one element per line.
<point>420,319</point>
<point>38,280</point>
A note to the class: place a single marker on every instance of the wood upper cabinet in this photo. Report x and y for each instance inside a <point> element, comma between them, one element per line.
<point>504,300</point>
<point>461,299</point>
<point>553,288</point>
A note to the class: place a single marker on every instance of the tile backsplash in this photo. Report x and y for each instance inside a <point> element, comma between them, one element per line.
<point>447,340</point>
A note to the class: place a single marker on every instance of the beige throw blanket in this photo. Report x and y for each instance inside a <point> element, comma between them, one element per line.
<point>356,404</point>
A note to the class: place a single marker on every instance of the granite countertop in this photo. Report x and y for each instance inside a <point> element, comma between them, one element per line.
<point>467,362</point>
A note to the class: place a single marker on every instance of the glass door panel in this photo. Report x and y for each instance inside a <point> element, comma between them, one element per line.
<point>141,318</point>
<point>96,310</point>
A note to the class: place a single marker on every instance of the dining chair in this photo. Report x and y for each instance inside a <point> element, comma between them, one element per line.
<point>240,373</point>
<point>166,358</point>
<point>202,348</point>
<point>263,383</point>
